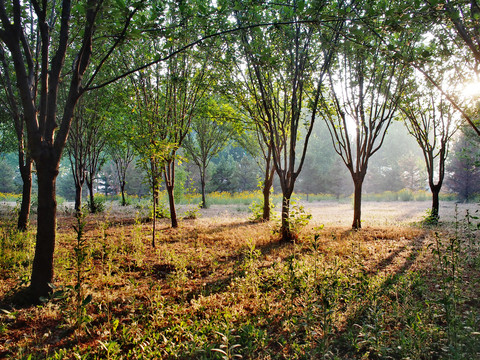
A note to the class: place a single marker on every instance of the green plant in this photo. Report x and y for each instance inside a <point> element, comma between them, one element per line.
<point>298,217</point>
<point>98,204</point>
<point>161,211</point>
<point>76,292</point>
<point>227,348</point>
<point>192,212</point>
<point>429,219</point>
<point>447,256</point>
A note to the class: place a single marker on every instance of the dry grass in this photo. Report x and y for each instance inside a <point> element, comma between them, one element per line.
<point>223,273</point>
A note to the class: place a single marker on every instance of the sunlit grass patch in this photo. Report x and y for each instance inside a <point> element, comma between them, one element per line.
<point>223,282</point>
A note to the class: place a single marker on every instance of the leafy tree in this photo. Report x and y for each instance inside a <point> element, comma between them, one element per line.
<point>85,143</point>
<point>121,151</point>
<point>13,109</point>
<point>431,121</point>
<point>460,18</point>
<point>365,90</point>
<point>210,133</point>
<point>50,45</point>
<point>285,69</point>
<point>463,171</point>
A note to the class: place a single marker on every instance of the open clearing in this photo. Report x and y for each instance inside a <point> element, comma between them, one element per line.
<point>221,286</point>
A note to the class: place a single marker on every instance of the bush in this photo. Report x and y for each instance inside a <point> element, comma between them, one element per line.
<point>98,205</point>
<point>405,195</point>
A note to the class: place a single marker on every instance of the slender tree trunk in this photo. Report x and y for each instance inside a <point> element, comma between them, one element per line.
<point>435,203</point>
<point>171,201</point>
<point>286,230</point>
<point>93,207</point>
<point>78,197</point>
<point>170,185</point>
<point>42,269</point>
<point>357,204</point>
<point>154,217</point>
<point>122,189</point>
<point>267,185</point>
<point>26,173</point>
<point>202,185</point>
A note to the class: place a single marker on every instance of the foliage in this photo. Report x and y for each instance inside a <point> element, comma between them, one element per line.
<point>16,251</point>
<point>192,212</point>
<point>98,205</point>
<point>257,210</point>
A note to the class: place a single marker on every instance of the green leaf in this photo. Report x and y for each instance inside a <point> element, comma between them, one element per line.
<point>121,4</point>
<point>87,300</point>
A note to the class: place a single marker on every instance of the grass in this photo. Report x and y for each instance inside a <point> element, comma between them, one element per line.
<point>223,287</point>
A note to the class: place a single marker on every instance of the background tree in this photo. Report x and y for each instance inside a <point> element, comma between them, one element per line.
<point>85,143</point>
<point>365,90</point>
<point>122,153</point>
<point>210,133</point>
<point>12,108</point>
<point>286,67</point>
<point>431,121</point>
<point>463,170</point>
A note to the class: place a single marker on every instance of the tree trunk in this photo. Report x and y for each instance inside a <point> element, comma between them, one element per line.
<point>267,185</point>
<point>286,230</point>
<point>26,173</point>
<point>357,204</point>
<point>122,189</point>
<point>42,269</point>
<point>170,185</point>
<point>171,201</point>
<point>92,205</point>
<point>78,197</point>
<point>202,185</point>
<point>435,203</point>
<point>154,217</point>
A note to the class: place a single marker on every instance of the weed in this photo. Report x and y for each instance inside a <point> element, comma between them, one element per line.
<point>228,350</point>
<point>192,212</point>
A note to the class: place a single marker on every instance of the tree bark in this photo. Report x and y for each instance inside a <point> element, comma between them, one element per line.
<point>122,189</point>
<point>42,269</point>
<point>204,197</point>
<point>267,185</point>
<point>357,204</point>
<point>286,230</point>
<point>171,201</point>
<point>26,173</point>
<point>92,205</point>
<point>435,203</point>
<point>170,185</point>
<point>154,217</point>
<point>78,197</point>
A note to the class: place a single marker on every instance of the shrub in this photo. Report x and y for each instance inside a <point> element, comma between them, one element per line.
<point>98,205</point>
<point>405,195</point>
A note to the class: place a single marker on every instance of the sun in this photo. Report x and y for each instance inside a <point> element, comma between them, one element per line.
<point>471,90</point>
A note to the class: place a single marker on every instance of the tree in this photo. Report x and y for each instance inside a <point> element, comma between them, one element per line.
<point>210,133</point>
<point>464,168</point>
<point>430,120</point>
<point>167,96</point>
<point>365,90</point>
<point>42,39</point>
<point>11,107</point>
<point>122,153</point>
<point>285,69</point>
<point>85,143</point>
<point>463,19</point>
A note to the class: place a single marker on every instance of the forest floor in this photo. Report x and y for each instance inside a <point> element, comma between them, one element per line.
<point>223,287</point>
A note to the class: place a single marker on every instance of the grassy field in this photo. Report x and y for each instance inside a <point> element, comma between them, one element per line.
<point>223,287</point>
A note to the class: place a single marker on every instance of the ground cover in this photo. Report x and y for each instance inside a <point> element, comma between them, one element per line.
<point>221,287</point>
